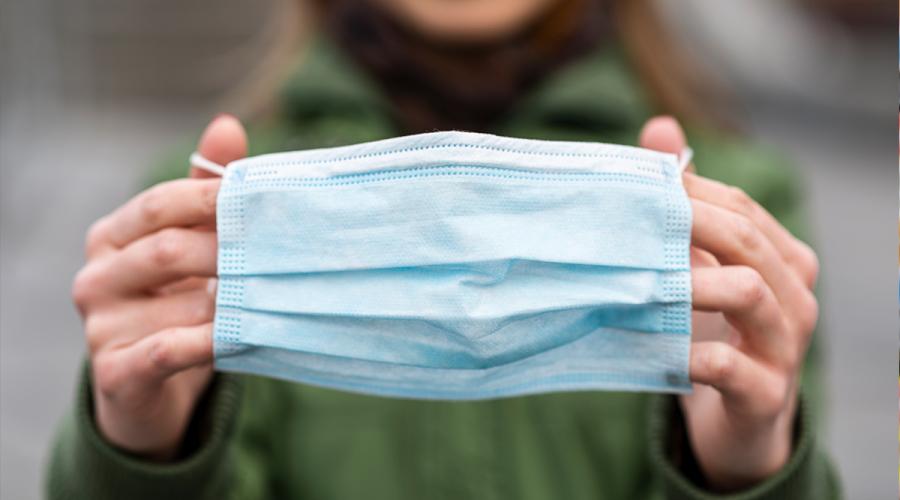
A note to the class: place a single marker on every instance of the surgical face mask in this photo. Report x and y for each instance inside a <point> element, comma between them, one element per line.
<point>455,265</point>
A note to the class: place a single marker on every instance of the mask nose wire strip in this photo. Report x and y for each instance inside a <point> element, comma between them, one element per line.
<point>684,159</point>
<point>197,160</point>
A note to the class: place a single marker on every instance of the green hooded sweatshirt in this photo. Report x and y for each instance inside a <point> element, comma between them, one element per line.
<point>253,437</point>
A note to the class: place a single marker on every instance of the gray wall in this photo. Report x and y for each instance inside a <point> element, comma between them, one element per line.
<point>91,91</point>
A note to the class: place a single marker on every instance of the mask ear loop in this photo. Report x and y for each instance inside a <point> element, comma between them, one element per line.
<point>199,161</point>
<point>684,159</point>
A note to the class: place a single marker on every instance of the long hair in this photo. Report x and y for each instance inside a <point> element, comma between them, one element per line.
<point>673,81</point>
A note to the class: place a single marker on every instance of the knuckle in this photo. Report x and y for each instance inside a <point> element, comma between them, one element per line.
<point>741,200</point>
<point>159,351</point>
<point>720,362</point>
<point>152,205</point>
<point>810,266</point>
<point>84,288</point>
<point>751,287</point>
<point>745,233</point>
<point>107,376</point>
<point>96,235</point>
<point>96,331</point>
<point>774,395</point>
<point>168,247</point>
<point>808,315</point>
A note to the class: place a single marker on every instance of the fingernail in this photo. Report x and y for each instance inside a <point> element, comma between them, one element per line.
<point>211,286</point>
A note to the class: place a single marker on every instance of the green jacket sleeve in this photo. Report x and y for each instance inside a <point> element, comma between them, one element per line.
<point>808,474</point>
<point>769,179</point>
<point>84,465</point>
<point>230,452</point>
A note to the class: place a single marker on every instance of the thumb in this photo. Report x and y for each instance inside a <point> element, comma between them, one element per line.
<point>223,141</point>
<point>663,133</point>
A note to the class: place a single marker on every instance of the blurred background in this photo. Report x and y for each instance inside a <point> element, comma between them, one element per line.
<point>92,92</point>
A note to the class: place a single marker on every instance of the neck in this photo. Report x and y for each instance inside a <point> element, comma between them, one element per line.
<point>437,86</point>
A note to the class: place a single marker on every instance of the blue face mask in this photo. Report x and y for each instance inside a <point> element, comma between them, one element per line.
<point>454,265</point>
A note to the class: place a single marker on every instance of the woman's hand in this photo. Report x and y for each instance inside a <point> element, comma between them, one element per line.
<point>754,314</point>
<point>146,295</point>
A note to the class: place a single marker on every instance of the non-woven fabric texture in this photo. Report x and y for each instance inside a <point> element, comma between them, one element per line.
<point>455,265</point>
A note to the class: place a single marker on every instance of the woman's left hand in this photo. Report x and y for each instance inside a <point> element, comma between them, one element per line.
<point>754,315</point>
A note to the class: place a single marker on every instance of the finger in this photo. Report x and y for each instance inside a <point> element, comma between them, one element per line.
<point>743,382</point>
<point>192,283</point>
<point>162,258</point>
<point>735,240</point>
<point>749,305</point>
<point>702,258</point>
<point>223,141</point>
<point>663,133</point>
<point>154,358</point>
<point>137,318</point>
<point>798,255</point>
<point>179,203</point>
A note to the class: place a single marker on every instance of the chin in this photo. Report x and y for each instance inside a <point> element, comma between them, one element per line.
<point>467,21</point>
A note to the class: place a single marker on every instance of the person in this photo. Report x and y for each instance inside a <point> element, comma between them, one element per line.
<point>153,420</point>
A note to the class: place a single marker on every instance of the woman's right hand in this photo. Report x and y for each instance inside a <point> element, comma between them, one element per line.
<point>147,298</point>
